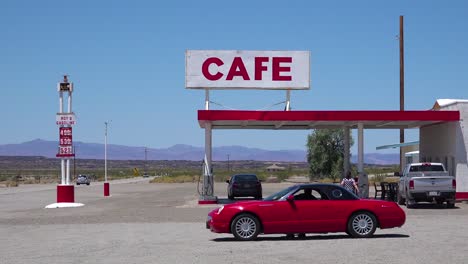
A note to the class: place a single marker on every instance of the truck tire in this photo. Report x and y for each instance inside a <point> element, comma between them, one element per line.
<point>410,204</point>
<point>400,200</point>
<point>450,204</point>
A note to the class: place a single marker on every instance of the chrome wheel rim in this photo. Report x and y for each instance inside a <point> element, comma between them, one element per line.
<point>245,227</point>
<point>363,224</point>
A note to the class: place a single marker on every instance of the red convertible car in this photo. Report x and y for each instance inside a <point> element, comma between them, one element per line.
<point>306,208</point>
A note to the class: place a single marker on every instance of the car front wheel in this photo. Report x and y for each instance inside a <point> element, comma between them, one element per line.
<point>362,224</point>
<point>245,227</point>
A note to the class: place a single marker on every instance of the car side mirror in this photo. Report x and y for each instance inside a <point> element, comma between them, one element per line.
<point>290,198</point>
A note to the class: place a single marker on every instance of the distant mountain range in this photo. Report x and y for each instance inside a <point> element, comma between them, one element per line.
<point>83,150</point>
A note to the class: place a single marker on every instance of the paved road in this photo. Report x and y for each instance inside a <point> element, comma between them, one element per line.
<point>162,223</point>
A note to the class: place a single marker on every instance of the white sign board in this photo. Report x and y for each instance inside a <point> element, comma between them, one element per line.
<point>237,69</point>
<point>65,119</point>
<point>65,151</point>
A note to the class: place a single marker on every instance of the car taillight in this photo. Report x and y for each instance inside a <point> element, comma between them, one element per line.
<point>411,184</point>
<point>257,183</point>
<point>454,184</point>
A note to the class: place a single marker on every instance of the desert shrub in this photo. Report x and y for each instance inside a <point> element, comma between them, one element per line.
<point>4,177</point>
<point>11,184</point>
<point>174,179</point>
<point>29,181</point>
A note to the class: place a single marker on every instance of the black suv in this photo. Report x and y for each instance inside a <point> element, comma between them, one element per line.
<point>244,185</point>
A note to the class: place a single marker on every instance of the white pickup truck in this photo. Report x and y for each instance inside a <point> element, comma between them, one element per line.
<point>426,182</point>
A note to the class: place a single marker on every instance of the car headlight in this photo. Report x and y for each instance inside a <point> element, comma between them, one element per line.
<point>220,209</point>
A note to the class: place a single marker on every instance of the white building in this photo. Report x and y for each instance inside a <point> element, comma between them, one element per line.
<point>448,143</point>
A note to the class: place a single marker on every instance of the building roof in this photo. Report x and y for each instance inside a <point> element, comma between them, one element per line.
<point>408,154</point>
<point>441,103</point>
<point>412,143</point>
<point>246,119</point>
<point>275,167</point>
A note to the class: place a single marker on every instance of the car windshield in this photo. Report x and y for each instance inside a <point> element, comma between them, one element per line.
<point>279,194</point>
<point>245,178</point>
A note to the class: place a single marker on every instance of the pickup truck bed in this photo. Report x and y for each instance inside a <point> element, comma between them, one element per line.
<point>417,185</point>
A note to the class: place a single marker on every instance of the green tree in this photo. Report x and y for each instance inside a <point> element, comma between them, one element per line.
<point>325,153</point>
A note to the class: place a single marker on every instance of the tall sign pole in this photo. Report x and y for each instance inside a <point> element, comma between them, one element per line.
<point>242,70</point>
<point>106,183</point>
<point>65,119</point>
<point>402,89</point>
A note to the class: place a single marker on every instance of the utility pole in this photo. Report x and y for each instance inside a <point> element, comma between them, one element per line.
<point>74,162</point>
<point>402,88</point>
<point>146,159</point>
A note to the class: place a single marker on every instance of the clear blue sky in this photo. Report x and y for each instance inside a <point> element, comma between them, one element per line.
<point>127,62</point>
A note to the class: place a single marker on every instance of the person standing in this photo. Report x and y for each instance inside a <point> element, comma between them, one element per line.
<point>349,184</point>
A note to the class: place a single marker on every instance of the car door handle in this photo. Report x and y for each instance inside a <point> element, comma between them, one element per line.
<point>265,205</point>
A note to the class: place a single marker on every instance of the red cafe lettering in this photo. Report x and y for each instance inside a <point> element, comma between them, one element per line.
<point>279,67</point>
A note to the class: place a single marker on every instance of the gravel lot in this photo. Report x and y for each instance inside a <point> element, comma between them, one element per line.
<point>162,223</point>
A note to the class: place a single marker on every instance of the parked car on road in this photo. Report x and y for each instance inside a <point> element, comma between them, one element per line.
<point>306,208</point>
<point>244,185</point>
<point>426,182</point>
<point>83,179</point>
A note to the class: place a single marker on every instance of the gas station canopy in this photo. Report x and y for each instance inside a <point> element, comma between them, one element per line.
<point>386,119</point>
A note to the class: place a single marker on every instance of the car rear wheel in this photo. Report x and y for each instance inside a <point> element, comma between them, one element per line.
<point>245,227</point>
<point>362,224</point>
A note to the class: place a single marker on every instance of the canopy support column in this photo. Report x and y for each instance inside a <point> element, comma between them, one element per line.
<point>346,162</point>
<point>363,181</point>
<point>208,179</point>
